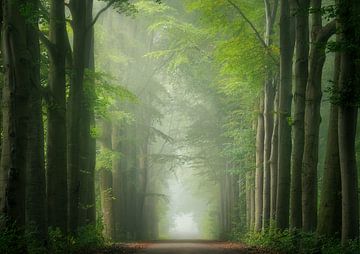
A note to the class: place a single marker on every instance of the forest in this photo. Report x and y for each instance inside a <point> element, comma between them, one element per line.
<point>179,126</point>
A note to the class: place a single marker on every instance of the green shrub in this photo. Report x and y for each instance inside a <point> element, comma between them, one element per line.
<point>299,242</point>
<point>11,241</point>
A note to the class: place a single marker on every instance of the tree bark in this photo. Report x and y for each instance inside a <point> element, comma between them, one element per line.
<point>87,207</point>
<point>56,153</point>
<point>285,97</point>
<point>36,215</point>
<point>78,11</point>
<point>17,62</point>
<point>259,173</point>
<point>118,166</point>
<point>312,118</point>
<point>348,19</point>
<point>107,203</point>
<point>301,76</point>
<point>329,223</point>
<point>274,160</point>
<point>270,10</point>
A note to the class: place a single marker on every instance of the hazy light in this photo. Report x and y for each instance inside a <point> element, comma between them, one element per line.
<point>185,227</point>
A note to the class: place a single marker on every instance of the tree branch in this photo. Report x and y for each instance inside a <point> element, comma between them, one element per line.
<point>97,16</point>
<point>326,32</point>
<point>48,44</point>
<point>252,26</point>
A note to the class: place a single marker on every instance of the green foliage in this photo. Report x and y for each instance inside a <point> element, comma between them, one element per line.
<point>11,241</point>
<point>88,237</point>
<point>299,242</point>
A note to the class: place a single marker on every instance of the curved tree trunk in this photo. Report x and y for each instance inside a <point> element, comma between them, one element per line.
<point>320,37</point>
<point>329,223</point>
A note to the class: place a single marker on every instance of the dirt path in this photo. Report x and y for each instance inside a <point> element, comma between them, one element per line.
<point>184,247</point>
<point>189,248</point>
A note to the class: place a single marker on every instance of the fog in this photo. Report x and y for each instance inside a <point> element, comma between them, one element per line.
<point>164,111</point>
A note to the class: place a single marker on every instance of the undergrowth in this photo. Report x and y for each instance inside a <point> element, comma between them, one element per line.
<point>299,242</point>
<point>12,241</point>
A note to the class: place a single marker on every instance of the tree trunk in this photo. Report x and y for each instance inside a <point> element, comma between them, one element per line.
<point>107,203</point>
<point>35,183</point>
<point>87,162</point>
<point>118,166</point>
<point>285,96</point>
<point>270,10</point>
<point>312,119</point>
<point>301,76</point>
<point>78,11</point>
<point>329,223</point>
<point>274,160</point>
<point>348,83</point>
<point>56,153</point>
<point>259,166</point>
<point>17,62</point>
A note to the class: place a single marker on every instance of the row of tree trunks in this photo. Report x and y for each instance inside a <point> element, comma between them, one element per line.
<point>22,159</point>
<point>269,96</point>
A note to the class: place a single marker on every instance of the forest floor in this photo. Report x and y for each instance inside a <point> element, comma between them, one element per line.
<point>182,247</point>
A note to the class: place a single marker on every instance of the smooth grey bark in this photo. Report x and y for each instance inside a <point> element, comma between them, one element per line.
<point>271,11</point>
<point>107,203</point>
<point>320,36</point>
<point>274,161</point>
<point>329,222</point>
<point>106,184</point>
<point>118,167</point>
<point>284,112</point>
<point>301,77</point>
<point>259,172</point>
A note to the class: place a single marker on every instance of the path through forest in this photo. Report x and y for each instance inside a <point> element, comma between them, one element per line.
<point>184,247</point>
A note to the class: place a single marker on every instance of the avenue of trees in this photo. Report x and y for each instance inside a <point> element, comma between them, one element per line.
<point>103,101</point>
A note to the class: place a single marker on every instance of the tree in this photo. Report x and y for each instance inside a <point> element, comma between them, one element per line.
<point>269,96</point>
<point>348,88</point>
<point>284,111</point>
<point>301,76</point>
<point>56,150</point>
<point>35,199</point>
<point>17,62</point>
<point>320,36</point>
<point>329,223</point>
